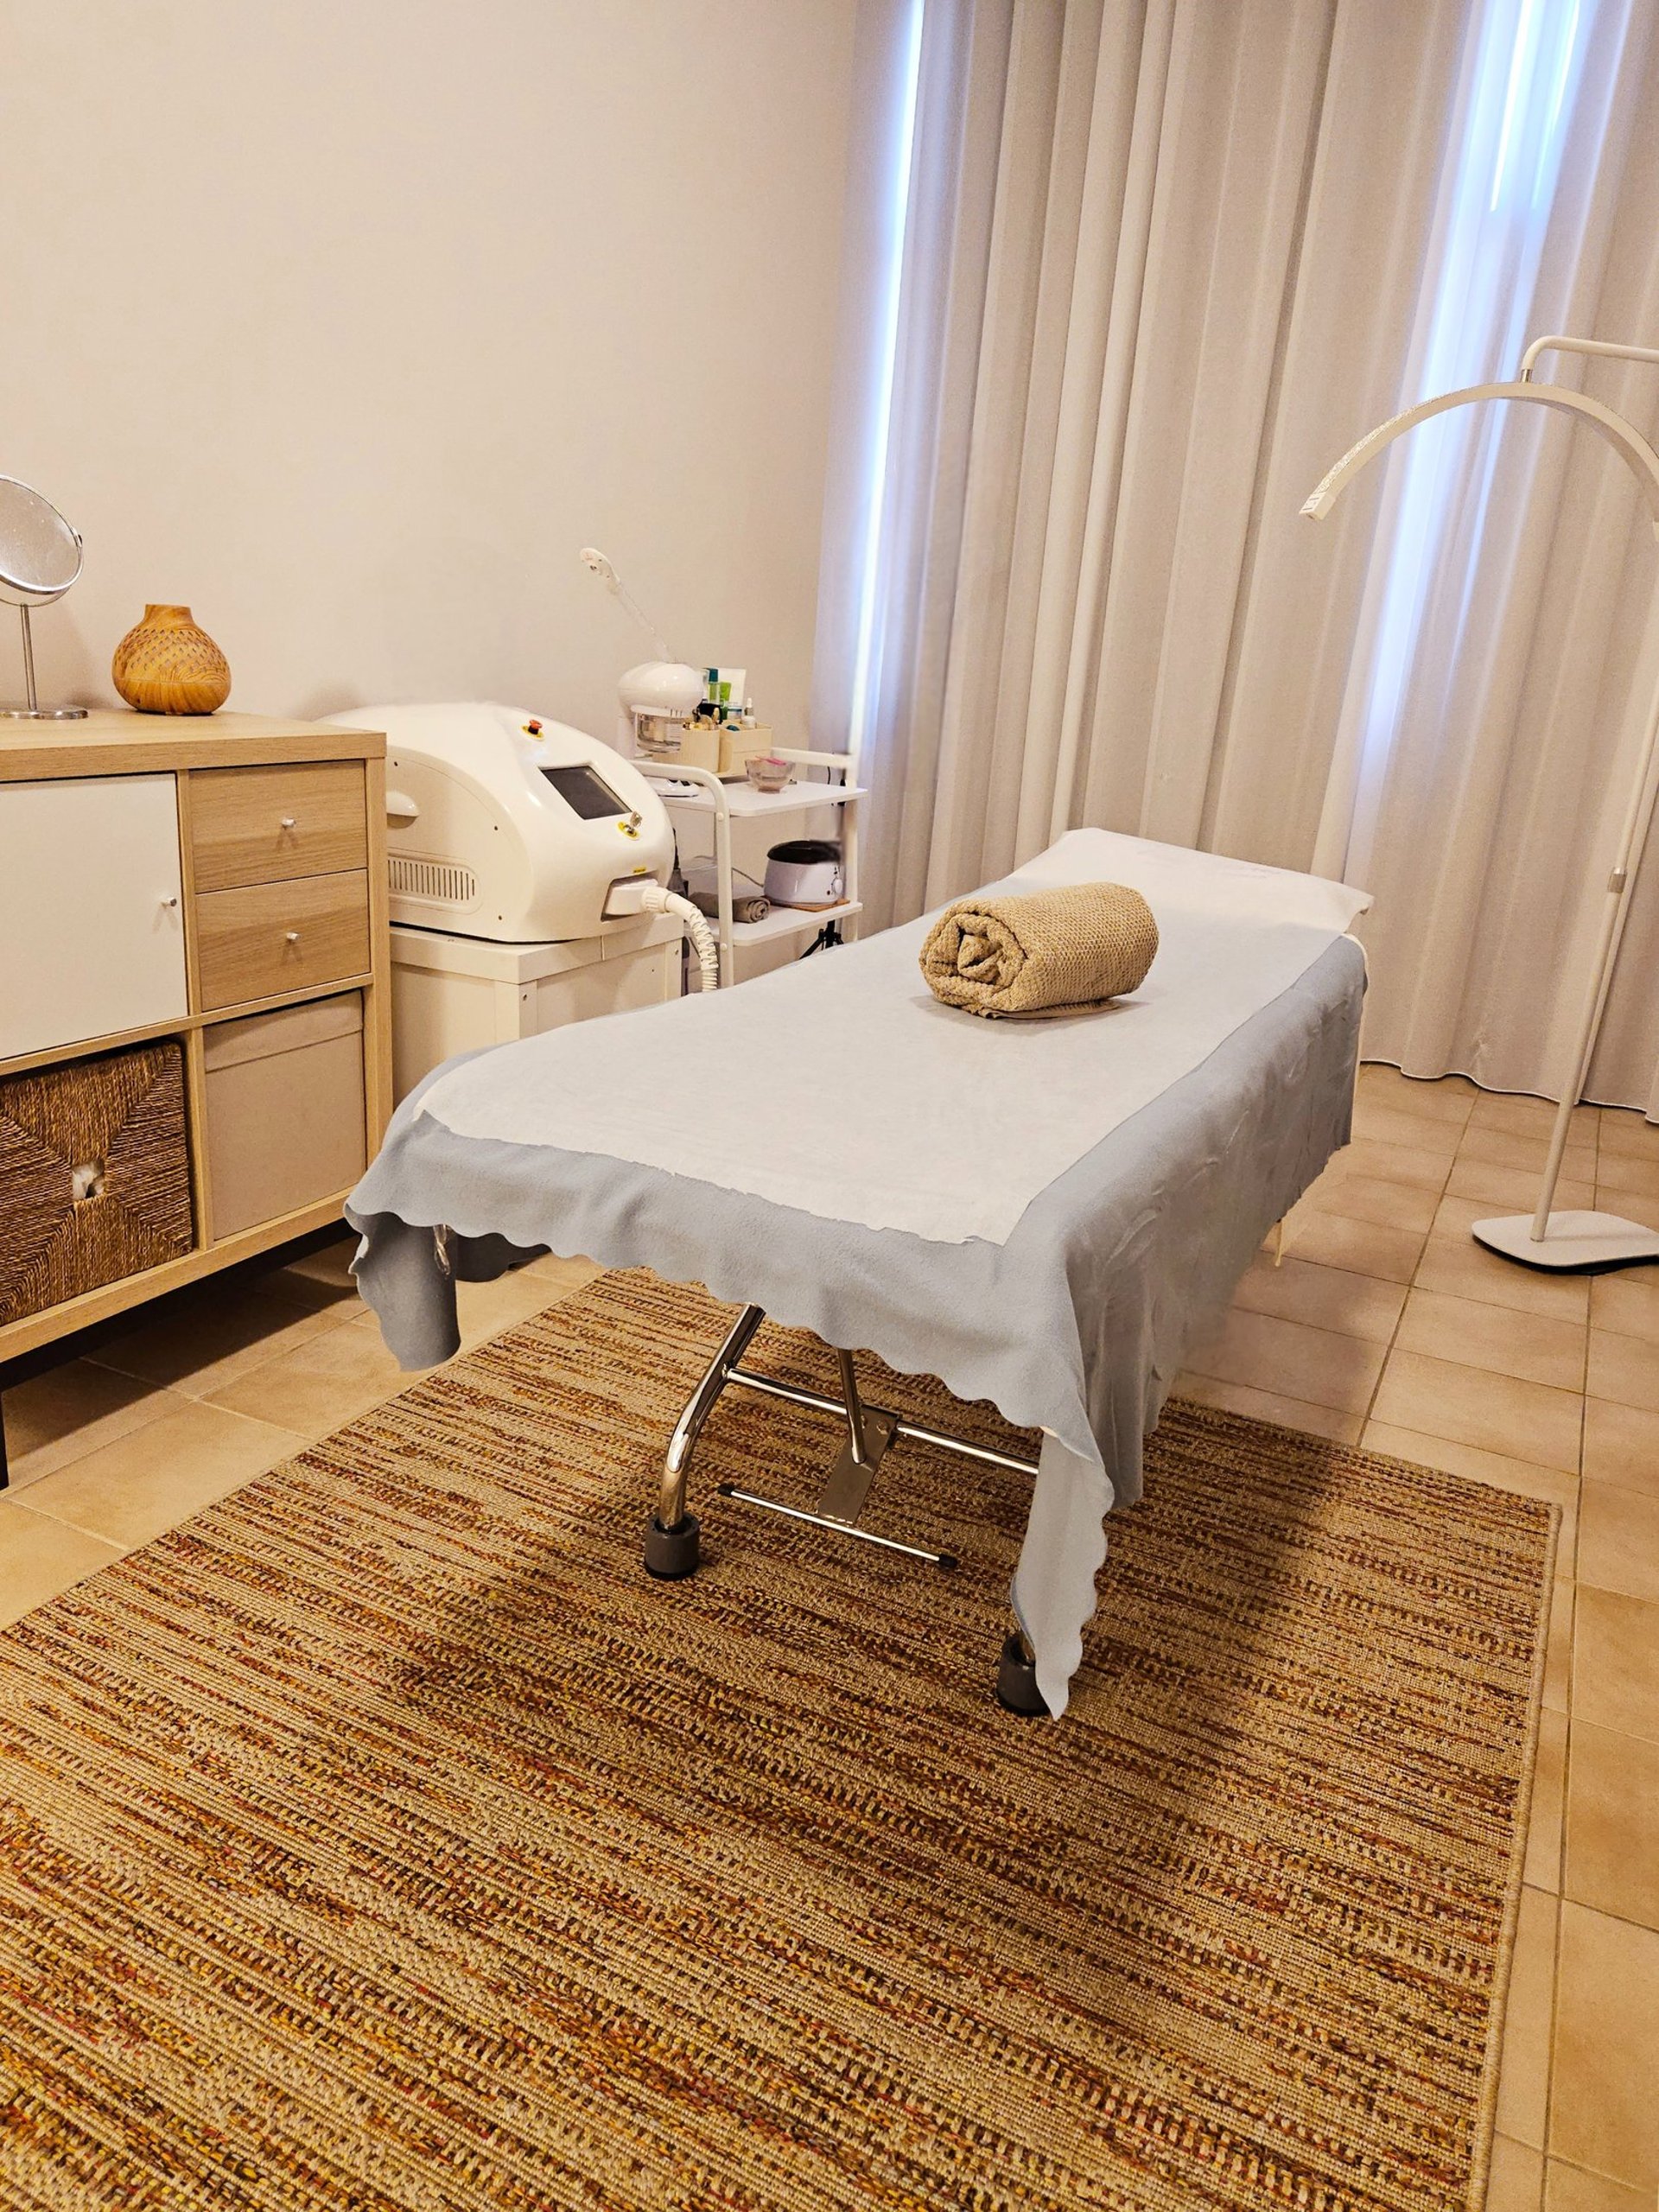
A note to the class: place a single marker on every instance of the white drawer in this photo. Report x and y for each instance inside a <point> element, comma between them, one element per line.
<point>92,922</point>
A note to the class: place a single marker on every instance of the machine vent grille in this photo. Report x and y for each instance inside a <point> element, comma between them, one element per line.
<point>442,881</point>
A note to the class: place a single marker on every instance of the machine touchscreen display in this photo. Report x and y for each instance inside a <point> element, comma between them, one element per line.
<point>579,787</point>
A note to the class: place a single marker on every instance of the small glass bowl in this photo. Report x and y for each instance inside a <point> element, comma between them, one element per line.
<point>768,773</point>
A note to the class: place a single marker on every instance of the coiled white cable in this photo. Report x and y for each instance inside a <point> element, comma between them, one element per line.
<point>655,900</point>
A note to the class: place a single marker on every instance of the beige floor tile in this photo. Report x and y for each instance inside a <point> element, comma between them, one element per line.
<point>1365,1248</point>
<point>567,1276</point>
<point>1616,1663</point>
<point>1553,1485</point>
<point>1383,1124</point>
<point>1369,1197</point>
<point>1635,1173</point>
<point>1570,2189</point>
<point>1627,1133</point>
<point>1447,1099</point>
<point>1513,1190</point>
<point>206,1340</point>
<point>1304,1210</point>
<point>39,1557</point>
<point>1558,1663</point>
<point>1627,1302</point>
<point>160,1474</point>
<point>1546,1821</point>
<point>484,1309</point>
<point>1498,1109</point>
<point>1619,1540</point>
<point>317,1278</point>
<point>1612,1826</point>
<point>70,1410</point>
<point>1456,1216</point>
<point>1624,1369</point>
<point>1496,1338</point>
<point>1509,1148</point>
<point>1514,2181</point>
<point>1328,1179</point>
<point>1465,1269</point>
<point>1381,1162</point>
<point>1523,2069</point>
<point>1621,1445</point>
<point>1498,1413</point>
<point>1329,1297</point>
<point>1269,1405</point>
<point>1644,1271</point>
<point>1603,2108</point>
<point>1628,1206</point>
<point>321,1384</point>
<point>1292,1360</point>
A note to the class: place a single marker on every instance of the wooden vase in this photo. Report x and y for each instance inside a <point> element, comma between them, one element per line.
<point>167,665</point>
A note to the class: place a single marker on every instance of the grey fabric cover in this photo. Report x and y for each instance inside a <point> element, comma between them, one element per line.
<point>1077,1325</point>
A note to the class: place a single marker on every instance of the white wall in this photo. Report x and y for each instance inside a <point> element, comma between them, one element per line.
<point>347,321</point>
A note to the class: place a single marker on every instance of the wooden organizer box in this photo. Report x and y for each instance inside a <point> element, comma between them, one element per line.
<point>166,883</point>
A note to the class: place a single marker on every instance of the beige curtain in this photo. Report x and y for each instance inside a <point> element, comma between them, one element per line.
<point>1486,821</point>
<point>1164,263</point>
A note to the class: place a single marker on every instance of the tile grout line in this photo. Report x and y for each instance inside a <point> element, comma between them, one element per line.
<point>40,1513</point>
<point>1521,1841</point>
<point>109,1366</point>
<point>1558,1947</point>
<point>1388,1353</point>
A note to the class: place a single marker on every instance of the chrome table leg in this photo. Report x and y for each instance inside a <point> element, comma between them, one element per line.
<point>672,1537</point>
<point>1016,1677</point>
<point>870,1430</point>
<point>671,1534</point>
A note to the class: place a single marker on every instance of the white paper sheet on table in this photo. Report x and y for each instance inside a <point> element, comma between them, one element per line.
<point>841,1086</point>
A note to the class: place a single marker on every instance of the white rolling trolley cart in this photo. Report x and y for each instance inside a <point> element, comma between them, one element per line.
<point>691,792</point>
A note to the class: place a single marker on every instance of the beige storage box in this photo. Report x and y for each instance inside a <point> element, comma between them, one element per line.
<point>741,745</point>
<point>285,1120</point>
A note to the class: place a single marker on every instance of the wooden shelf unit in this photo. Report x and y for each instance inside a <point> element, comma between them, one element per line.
<point>326,827</point>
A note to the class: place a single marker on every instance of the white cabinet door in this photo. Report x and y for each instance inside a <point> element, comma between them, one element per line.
<point>91,923</point>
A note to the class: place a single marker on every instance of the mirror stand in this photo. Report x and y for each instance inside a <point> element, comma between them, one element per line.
<point>33,712</point>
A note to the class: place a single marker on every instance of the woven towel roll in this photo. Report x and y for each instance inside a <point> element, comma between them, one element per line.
<point>1041,952</point>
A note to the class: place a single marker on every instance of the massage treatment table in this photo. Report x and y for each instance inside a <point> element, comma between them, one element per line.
<point>1046,1214</point>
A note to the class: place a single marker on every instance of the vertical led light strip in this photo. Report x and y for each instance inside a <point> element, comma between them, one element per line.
<point>882,429</point>
<point>1508,166</point>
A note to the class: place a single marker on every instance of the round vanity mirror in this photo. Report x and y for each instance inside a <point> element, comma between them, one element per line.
<point>40,559</point>
<point>40,554</point>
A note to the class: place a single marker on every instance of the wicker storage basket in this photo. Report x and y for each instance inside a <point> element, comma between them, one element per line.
<point>94,1174</point>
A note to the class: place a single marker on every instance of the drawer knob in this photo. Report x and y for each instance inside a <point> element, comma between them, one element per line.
<point>293,935</point>
<point>288,822</point>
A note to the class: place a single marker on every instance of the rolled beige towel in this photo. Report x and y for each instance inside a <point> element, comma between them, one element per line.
<point>1041,952</point>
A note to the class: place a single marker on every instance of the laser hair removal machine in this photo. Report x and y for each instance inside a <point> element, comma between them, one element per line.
<point>528,867</point>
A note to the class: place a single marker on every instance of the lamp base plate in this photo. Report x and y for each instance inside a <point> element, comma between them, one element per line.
<point>43,713</point>
<point>1570,1241</point>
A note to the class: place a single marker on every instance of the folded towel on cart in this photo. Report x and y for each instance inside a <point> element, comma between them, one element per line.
<point>1036,953</point>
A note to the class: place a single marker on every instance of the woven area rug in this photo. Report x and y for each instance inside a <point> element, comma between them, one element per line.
<point>383,1839</point>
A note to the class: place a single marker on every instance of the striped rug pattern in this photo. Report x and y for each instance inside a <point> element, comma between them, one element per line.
<point>384,1838</point>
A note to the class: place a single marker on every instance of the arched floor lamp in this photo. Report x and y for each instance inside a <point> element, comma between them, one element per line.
<point>1543,1238</point>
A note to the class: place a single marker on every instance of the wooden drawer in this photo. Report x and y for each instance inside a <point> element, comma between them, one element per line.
<point>264,825</point>
<point>264,939</point>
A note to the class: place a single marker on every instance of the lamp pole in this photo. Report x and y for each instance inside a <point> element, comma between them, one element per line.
<point>1543,1238</point>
